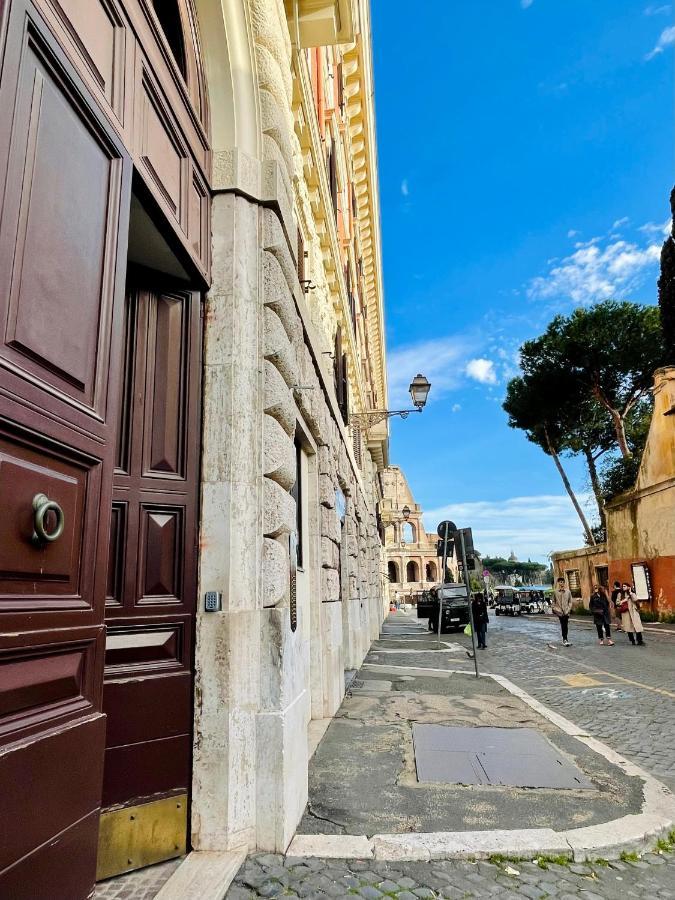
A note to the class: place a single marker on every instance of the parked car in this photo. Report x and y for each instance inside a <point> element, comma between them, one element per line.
<point>455,606</point>
<point>507,602</point>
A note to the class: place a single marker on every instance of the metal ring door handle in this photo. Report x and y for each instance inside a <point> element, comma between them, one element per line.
<point>41,506</point>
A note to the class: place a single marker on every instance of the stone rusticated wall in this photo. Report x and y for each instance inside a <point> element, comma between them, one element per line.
<point>257,683</point>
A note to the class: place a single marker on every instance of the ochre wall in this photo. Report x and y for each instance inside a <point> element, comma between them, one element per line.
<point>641,523</point>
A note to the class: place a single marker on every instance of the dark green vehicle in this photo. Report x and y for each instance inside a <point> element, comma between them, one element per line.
<point>456,615</point>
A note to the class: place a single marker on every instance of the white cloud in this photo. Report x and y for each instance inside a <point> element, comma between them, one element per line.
<point>597,270</point>
<point>657,228</point>
<point>442,360</point>
<point>655,10</point>
<point>405,190</point>
<point>530,526</point>
<point>526,3</point>
<point>482,370</point>
<point>456,407</point>
<point>620,223</point>
<point>572,233</point>
<point>666,39</point>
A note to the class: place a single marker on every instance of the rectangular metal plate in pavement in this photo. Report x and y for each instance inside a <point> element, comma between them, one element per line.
<point>517,757</point>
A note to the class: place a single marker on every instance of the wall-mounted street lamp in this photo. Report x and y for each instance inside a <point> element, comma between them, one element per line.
<point>419,390</point>
<point>406,512</point>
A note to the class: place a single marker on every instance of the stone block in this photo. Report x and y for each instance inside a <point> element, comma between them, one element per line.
<point>281,781</point>
<point>330,526</point>
<point>333,657</point>
<point>284,659</point>
<point>326,491</point>
<point>279,401</point>
<point>279,462</point>
<point>277,295</point>
<point>330,554</point>
<point>275,571</point>
<point>278,510</point>
<point>279,350</point>
<point>330,585</point>
<point>326,466</point>
<point>274,241</point>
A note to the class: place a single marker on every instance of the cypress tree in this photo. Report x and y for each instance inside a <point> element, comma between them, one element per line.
<point>667,291</point>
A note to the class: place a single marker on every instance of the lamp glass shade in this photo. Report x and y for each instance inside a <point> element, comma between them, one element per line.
<point>419,389</point>
<point>406,512</point>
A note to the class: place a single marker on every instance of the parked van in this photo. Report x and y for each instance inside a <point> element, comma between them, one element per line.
<point>454,598</point>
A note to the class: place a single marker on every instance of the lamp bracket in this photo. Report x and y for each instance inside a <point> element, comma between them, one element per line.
<point>367,420</point>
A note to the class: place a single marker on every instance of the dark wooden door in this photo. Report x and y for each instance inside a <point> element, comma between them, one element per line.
<point>65,188</point>
<point>150,600</point>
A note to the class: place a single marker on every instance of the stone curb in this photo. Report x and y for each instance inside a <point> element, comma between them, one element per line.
<point>580,844</point>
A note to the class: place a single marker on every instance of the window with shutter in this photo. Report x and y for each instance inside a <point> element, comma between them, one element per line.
<point>332,176</point>
<point>345,390</point>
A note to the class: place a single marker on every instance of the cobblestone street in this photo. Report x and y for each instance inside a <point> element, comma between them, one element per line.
<point>267,875</point>
<point>620,694</point>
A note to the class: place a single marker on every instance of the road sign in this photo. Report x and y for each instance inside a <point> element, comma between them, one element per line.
<point>446,529</point>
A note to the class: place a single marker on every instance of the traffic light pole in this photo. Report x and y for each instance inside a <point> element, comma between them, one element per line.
<point>467,582</point>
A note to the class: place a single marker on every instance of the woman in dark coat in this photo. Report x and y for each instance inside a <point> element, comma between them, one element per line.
<point>599,606</point>
<point>480,619</point>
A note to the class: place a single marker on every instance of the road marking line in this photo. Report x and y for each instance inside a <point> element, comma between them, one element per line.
<point>579,680</point>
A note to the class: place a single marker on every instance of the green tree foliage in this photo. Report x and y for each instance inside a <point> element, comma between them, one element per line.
<point>609,350</point>
<point>667,291</point>
<point>502,568</point>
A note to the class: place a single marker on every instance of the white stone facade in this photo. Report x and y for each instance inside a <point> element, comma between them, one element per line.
<point>271,405</point>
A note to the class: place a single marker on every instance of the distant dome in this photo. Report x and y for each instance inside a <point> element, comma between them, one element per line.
<point>513,557</point>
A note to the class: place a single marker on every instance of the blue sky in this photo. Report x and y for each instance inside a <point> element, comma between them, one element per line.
<point>526,158</point>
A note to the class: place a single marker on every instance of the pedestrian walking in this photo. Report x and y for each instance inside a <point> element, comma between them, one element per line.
<point>629,608</point>
<point>480,619</point>
<point>615,600</point>
<point>562,606</point>
<point>599,606</point>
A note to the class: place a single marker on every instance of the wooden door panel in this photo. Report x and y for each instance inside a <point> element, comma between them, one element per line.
<point>47,805</point>
<point>153,647</point>
<point>152,579</point>
<point>56,679</point>
<point>161,557</point>
<point>57,281</point>
<point>163,713</point>
<point>100,35</point>
<point>168,341</point>
<point>147,770</point>
<point>46,575</point>
<point>65,183</point>
<point>63,868</point>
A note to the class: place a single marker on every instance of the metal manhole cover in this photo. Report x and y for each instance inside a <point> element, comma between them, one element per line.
<point>517,757</point>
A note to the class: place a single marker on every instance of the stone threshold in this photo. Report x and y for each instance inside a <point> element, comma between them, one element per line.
<point>608,840</point>
<point>203,875</point>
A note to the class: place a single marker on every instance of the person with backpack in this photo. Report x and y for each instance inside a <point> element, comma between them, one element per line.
<point>629,608</point>
<point>615,599</point>
<point>599,606</point>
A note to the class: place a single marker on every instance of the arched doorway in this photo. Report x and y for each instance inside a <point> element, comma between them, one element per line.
<point>431,571</point>
<point>408,533</point>
<point>412,572</point>
<point>393,572</point>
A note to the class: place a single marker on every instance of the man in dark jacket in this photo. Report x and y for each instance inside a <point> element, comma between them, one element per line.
<point>480,619</point>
